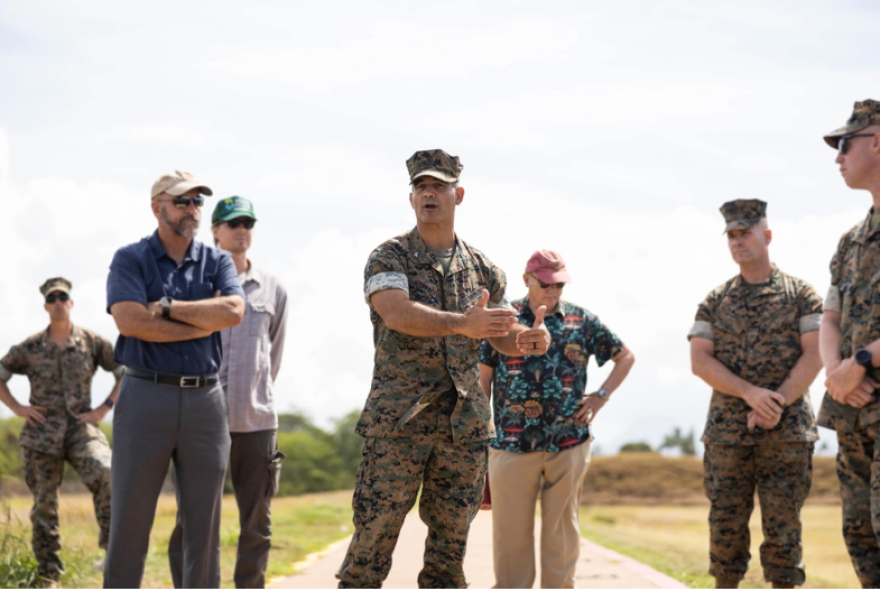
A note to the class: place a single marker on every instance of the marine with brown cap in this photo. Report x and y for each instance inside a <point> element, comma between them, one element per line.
<point>432,298</point>
<point>850,342</point>
<point>543,414</point>
<point>61,424</point>
<point>755,341</point>
<point>170,295</point>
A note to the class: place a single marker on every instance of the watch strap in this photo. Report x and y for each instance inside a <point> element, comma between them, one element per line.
<point>108,403</point>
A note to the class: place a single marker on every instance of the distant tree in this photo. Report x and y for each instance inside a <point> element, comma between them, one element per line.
<point>676,440</point>
<point>635,447</point>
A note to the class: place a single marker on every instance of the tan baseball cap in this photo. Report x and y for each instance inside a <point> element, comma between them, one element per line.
<point>177,183</point>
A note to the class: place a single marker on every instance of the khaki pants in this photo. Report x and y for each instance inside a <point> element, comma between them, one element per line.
<point>516,482</point>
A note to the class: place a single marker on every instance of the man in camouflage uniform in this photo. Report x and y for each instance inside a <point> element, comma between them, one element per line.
<point>432,298</point>
<point>851,346</point>
<point>61,424</point>
<point>756,343</point>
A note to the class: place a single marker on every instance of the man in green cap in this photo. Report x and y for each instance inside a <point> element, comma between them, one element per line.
<point>755,341</point>
<point>850,338</point>
<point>251,359</point>
<point>60,421</point>
<point>426,423</point>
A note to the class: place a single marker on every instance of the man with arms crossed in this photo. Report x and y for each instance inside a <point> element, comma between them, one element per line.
<point>851,346</point>
<point>251,360</point>
<point>542,441</point>
<point>756,343</point>
<point>433,298</point>
<point>61,424</point>
<point>170,295</point>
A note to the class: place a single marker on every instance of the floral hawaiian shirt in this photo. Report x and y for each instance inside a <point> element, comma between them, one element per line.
<point>535,397</point>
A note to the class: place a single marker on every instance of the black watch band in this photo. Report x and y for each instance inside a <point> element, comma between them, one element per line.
<point>864,358</point>
<point>165,302</point>
<point>108,403</point>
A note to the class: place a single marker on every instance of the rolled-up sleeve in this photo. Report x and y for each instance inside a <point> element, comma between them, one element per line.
<point>832,300</point>
<point>701,329</point>
<point>702,326</point>
<point>384,270</point>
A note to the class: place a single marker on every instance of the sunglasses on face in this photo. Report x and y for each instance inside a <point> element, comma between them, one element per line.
<point>248,223</point>
<point>183,202</point>
<point>843,141</point>
<point>50,299</point>
<point>546,285</point>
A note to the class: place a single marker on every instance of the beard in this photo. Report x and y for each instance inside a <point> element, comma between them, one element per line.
<point>180,227</point>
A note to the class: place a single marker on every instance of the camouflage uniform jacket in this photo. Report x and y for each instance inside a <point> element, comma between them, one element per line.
<point>855,294</point>
<point>61,381</point>
<point>756,331</point>
<point>411,372</point>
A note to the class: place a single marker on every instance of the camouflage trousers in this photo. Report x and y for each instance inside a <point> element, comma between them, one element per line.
<point>451,477</point>
<point>782,473</point>
<point>87,450</point>
<point>858,470</point>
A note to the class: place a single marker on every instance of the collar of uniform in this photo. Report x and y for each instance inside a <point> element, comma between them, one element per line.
<point>422,255</point>
<point>773,285</point>
<point>522,306</point>
<point>864,229</point>
<point>252,274</point>
<point>193,253</point>
<point>76,337</point>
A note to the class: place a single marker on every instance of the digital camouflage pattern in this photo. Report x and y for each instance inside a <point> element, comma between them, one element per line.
<point>865,113</point>
<point>534,398</point>
<point>451,476</point>
<point>56,284</point>
<point>409,372</point>
<point>858,459</point>
<point>742,214</point>
<point>756,331</point>
<point>439,163</point>
<point>855,294</point>
<point>782,473</point>
<point>61,381</point>
<point>87,450</point>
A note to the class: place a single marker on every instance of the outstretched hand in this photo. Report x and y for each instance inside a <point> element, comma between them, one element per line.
<point>536,340</point>
<point>481,322</point>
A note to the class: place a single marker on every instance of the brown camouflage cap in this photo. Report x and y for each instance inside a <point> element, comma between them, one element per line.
<point>865,113</point>
<point>435,163</point>
<point>742,214</point>
<point>56,284</point>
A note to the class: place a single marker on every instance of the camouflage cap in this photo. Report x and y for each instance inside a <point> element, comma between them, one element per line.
<point>865,113</point>
<point>742,214</point>
<point>435,163</point>
<point>231,208</point>
<point>56,284</point>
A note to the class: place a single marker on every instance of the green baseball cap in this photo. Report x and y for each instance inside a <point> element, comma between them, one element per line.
<point>231,208</point>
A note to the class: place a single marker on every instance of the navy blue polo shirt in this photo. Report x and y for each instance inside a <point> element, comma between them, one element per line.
<point>143,272</point>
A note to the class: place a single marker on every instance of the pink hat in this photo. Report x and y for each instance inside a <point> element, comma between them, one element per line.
<point>548,266</point>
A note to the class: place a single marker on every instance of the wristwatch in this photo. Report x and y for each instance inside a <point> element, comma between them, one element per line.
<point>602,393</point>
<point>863,358</point>
<point>165,302</point>
<point>108,403</point>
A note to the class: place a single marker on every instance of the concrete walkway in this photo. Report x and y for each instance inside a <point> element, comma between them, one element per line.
<point>598,567</point>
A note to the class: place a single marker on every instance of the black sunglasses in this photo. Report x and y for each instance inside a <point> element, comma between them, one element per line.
<point>843,144</point>
<point>248,223</point>
<point>546,285</point>
<point>183,202</point>
<point>50,299</point>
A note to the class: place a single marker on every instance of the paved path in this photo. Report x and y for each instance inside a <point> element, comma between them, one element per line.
<point>597,568</point>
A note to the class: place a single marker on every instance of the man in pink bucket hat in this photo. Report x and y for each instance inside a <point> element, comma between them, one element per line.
<point>542,429</point>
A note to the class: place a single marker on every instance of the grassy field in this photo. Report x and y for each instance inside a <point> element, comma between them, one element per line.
<point>300,525</point>
<point>675,541</point>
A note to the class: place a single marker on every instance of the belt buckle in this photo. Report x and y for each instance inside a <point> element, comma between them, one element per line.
<point>189,382</point>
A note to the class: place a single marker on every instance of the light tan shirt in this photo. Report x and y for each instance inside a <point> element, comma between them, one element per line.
<point>252,354</point>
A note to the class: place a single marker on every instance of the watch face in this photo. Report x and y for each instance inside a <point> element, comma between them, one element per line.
<point>863,357</point>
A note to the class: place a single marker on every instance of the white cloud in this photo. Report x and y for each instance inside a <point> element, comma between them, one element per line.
<point>167,134</point>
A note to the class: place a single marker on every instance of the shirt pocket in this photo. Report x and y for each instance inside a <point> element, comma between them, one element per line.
<point>260,318</point>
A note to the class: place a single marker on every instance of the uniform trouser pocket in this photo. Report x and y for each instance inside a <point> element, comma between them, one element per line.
<point>273,463</point>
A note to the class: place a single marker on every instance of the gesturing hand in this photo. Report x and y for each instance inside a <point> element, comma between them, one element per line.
<point>536,340</point>
<point>481,322</point>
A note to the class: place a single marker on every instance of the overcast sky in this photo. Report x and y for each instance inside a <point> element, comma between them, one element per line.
<point>608,131</point>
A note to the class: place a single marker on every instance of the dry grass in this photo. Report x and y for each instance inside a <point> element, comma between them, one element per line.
<point>675,540</point>
<point>301,525</point>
